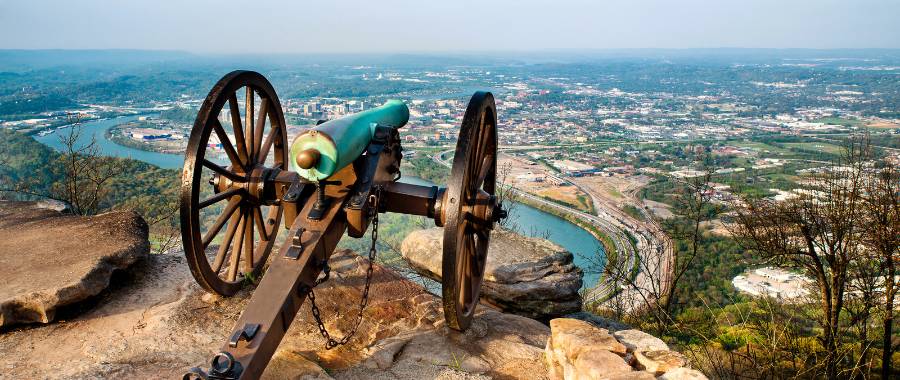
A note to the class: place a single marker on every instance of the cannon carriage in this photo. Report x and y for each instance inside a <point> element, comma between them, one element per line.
<point>243,182</point>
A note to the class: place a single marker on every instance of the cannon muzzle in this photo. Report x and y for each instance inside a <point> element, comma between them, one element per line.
<point>321,151</point>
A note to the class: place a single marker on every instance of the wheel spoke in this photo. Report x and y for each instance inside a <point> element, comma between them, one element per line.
<point>264,149</point>
<point>481,249</point>
<point>236,250</point>
<point>465,273</point>
<point>247,253</point>
<point>218,197</point>
<point>483,132</point>
<point>472,245</point>
<point>225,172</point>
<point>474,267</point>
<point>220,221</point>
<point>236,127</point>
<point>486,166</point>
<point>248,113</point>
<point>479,140</point>
<point>476,163</point>
<point>226,242</point>
<point>226,145</point>
<point>258,131</point>
<point>260,225</point>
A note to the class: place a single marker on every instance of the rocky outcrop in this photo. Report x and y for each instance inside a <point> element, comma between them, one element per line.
<point>49,259</point>
<point>404,335</point>
<point>580,350</point>
<point>637,340</point>
<point>157,324</point>
<point>525,276</point>
<point>659,361</point>
<point>682,374</point>
<point>601,322</point>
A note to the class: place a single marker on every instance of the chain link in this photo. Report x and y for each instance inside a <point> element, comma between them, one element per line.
<point>330,342</point>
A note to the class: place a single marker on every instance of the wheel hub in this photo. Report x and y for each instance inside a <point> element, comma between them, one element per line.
<point>253,188</point>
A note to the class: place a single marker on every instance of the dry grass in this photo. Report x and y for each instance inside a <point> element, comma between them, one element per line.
<point>882,125</point>
<point>567,194</point>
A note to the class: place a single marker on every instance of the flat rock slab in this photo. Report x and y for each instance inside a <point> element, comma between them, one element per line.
<point>158,323</point>
<point>49,259</point>
<point>636,341</point>
<point>403,334</point>
<point>526,276</point>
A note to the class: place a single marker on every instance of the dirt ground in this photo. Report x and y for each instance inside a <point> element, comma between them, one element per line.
<point>883,125</point>
<point>717,227</point>
<point>519,167</point>
<point>617,190</point>
<point>659,209</point>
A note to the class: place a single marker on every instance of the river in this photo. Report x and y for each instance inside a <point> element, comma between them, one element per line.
<point>97,129</point>
<point>532,222</point>
<point>529,220</point>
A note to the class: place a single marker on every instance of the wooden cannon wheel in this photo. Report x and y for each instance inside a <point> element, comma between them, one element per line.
<point>219,190</point>
<point>472,183</point>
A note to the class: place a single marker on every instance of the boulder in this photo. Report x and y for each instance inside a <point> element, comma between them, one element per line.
<point>633,375</point>
<point>49,259</point>
<point>601,322</point>
<point>531,277</point>
<point>579,350</point>
<point>596,364</point>
<point>573,336</point>
<point>660,361</point>
<point>637,340</point>
<point>682,373</point>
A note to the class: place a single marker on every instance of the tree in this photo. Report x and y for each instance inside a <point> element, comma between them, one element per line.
<point>86,174</point>
<point>817,232</point>
<point>881,203</point>
<point>646,281</point>
<point>693,206</point>
<point>507,196</point>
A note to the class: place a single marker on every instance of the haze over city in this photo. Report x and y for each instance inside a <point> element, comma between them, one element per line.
<point>388,26</point>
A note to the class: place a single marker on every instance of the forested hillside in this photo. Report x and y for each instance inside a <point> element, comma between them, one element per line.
<point>29,169</point>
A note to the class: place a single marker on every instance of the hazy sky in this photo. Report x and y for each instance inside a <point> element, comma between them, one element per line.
<point>346,26</point>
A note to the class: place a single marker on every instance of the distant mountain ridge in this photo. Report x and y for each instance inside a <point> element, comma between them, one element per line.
<point>17,60</point>
<point>24,60</point>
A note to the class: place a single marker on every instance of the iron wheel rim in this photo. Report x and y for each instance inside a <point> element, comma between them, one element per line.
<point>466,243</point>
<point>196,243</point>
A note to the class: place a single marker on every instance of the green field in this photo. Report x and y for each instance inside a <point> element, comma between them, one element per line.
<point>761,147</point>
<point>816,147</point>
<point>840,121</point>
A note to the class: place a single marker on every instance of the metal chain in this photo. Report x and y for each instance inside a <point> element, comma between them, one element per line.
<point>330,342</point>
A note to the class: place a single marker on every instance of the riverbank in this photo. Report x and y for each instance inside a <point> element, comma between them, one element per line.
<point>116,135</point>
<point>611,254</point>
<point>96,130</point>
<point>593,262</point>
<point>533,221</point>
<point>608,246</point>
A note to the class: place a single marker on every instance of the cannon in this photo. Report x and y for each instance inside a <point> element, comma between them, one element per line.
<point>242,183</point>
